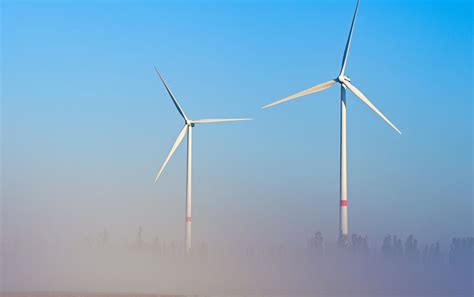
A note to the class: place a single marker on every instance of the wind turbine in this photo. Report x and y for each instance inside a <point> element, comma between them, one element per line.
<point>345,82</point>
<point>188,127</point>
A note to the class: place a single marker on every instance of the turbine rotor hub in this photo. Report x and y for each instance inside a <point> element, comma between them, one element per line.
<point>342,78</point>
<point>189,123</point>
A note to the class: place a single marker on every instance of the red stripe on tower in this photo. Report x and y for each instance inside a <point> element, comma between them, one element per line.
<point>343,202</point>
<point>188,219</point>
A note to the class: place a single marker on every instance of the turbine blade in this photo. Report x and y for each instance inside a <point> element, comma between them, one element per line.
<point>205,121</point>
<point>173,149</point>
<point>364,99</point>
<point>311,90</point>
<point>178,107</point>
<point>348,44</point>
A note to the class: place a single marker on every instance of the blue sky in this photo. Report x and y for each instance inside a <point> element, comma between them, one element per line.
<point>86,123</point>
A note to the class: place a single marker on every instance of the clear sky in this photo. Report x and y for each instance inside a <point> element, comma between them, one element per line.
<point>86,123</point>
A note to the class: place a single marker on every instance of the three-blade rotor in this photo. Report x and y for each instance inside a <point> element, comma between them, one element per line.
<point>188,124</point>
<point>342,79</point>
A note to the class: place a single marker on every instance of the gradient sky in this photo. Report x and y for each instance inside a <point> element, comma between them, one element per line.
<point>86,123</point>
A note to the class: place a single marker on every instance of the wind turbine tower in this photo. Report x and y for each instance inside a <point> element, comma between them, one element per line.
<point>187,129</point>
<point>345,83</point>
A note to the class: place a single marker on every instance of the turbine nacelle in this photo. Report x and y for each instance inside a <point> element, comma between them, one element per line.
<point>341,78</point>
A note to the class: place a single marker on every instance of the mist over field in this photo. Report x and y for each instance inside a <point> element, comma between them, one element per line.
<point>316,269</point>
